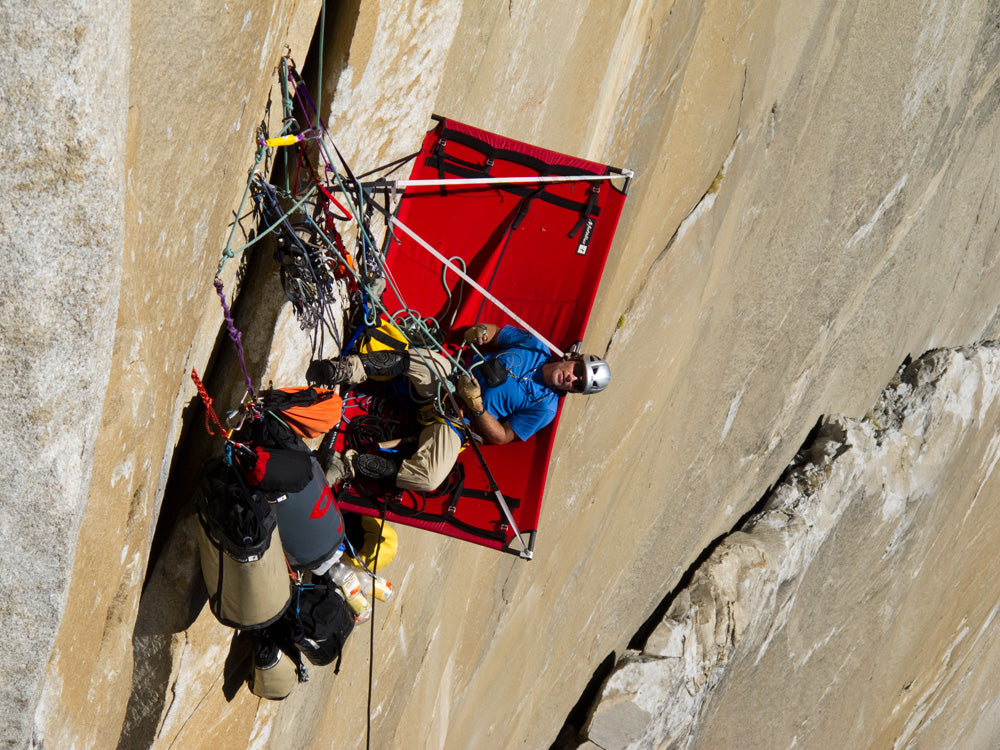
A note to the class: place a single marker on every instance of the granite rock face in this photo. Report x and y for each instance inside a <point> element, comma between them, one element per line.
<point>816,200</point>
<point>63,99</point>
<point>819,600</point>
<point>127,206</point>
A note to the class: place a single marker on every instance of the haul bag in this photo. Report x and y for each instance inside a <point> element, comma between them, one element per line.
<point>244,591</point>
<point>275,673</point>
<point>312,528</point>
<point>242,559</point>
<point>278,471</point>
<point>383,336</point>
<point>370,537</point>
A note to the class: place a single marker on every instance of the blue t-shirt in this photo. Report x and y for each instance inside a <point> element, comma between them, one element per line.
<point>523,401</point>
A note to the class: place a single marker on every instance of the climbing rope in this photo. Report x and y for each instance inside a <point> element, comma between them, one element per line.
<point>207,400</point>
<point>234,334</point>
<point>371,639</point>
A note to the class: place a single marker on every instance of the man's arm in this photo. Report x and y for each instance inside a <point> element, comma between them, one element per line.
<point>486,425</point>
<point>490,430</point>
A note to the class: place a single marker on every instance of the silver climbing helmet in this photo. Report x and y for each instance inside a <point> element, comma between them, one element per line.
<point>595,376</point>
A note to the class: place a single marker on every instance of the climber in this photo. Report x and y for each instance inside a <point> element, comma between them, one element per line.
<point>514,394</point>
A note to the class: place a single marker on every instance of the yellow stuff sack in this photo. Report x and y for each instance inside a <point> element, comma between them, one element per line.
<point>379,537</point>
<point>382,336</point>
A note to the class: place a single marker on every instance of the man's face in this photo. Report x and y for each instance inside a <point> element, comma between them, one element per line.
<point>566,375</point>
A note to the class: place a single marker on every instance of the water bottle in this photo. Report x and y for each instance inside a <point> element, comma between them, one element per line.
<point>344,576</point>
<point>373,584</point>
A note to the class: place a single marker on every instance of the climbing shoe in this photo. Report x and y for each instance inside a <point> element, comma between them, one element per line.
<point>385,364</point>
<point>328,372</point>
<point>375,466</point>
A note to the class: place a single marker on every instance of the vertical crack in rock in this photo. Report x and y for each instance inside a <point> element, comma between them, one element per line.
<point>703,204</point>
<point>174,690</point>
<point>747,580</point>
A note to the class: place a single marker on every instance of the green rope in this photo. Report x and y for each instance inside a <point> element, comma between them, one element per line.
<point>260,157</point>
<point>228,253</point>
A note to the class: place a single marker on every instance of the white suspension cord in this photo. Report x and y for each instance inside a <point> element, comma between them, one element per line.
<point>510,180</point>
<point>394,222</point>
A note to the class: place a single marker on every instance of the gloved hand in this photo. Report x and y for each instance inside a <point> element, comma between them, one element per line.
<point>476,334</point>
<point>469,391</point>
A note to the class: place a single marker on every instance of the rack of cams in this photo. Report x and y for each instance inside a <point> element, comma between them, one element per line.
<point>309,265</point>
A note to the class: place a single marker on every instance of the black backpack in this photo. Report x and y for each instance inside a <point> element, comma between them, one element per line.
<point>242,559</point>
<point>320,621</point>
<point>240,518</point>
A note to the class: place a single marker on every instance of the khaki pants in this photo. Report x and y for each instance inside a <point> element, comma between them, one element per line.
<point>438,445</point>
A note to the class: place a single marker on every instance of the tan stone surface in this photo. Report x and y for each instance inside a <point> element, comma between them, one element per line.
<point>199,79</point>
<point>815,200</point>
<point>812,625</point>
<point>886,635</point>
<point>63,103</point>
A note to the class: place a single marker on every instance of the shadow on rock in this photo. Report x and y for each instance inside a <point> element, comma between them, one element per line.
<point>171,601</point>
<point>239,664</point>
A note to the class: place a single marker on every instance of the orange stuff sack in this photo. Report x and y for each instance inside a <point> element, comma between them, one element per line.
<point>311,412</point>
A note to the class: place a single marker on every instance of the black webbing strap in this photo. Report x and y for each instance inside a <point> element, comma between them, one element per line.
<point>522,210</point>
<point>382,337</point>
<point>359,495</point>
<point>447,170</point>
<point>590,210</point>
<point>512,502</point>
<point>448,164</point>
